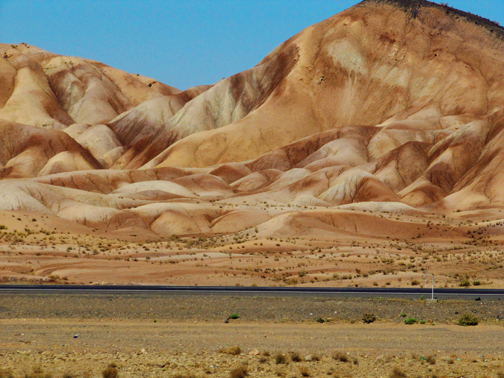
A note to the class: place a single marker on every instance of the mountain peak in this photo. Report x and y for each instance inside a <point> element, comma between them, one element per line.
<point>414,7</point>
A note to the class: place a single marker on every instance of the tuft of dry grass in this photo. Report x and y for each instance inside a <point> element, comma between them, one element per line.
<point>295,357</point>
<point>37,373</point>
<point>6,374</point>
<point>110,371</point>
<point>340,356</point>
<point>304,371</point>
<point>234,350</point>
<point>369,318</point>
<point>239,372</point>
<point>280,358</point>
<point>397,373</point>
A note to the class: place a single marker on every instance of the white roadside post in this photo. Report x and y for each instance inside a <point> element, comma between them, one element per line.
<point>432,287</point>
<point>432,300</point>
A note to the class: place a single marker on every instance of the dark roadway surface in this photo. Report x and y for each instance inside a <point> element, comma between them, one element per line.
<point>471,294</point>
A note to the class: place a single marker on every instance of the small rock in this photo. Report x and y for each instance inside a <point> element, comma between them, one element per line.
<point>254,352</point>
<point>309,357</point>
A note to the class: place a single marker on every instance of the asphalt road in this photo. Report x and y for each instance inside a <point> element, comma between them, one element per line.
<point>471,294</point>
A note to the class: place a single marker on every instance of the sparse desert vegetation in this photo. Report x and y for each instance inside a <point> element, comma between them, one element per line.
<point>110,335</point>
<point>26,251</point>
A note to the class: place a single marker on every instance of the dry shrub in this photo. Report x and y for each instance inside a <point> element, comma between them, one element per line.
<point>280,358</point>
<point>263,360</point>
<point>6,374</point>
<point>431,360</point>
<point>295,357</point>
<point>37,373</point>
<point>368,318</point>
<point>397,373</point>
<point>111,371</point>
<point>305,372</point>
<point>239,372</point>
<point>340,356</point>
<point>234,350</point>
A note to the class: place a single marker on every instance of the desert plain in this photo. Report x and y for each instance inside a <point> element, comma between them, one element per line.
<point>157,335</point>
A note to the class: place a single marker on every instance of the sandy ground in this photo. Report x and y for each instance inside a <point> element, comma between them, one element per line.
<point>165,349</point>
<point>184,336</point>
<point>29,253</point>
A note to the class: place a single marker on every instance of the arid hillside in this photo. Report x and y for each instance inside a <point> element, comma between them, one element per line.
<point>382,125</point>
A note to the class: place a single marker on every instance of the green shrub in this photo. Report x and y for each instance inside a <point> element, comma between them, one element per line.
<point>403,314</point>
<point>368,318</point>
<point>320,320</point>
<point>234,316</point>
<point>423,321</point>
<point>411,320</point>
<point>465,283</point>
<point>468,320</point>
<point>476,283</point>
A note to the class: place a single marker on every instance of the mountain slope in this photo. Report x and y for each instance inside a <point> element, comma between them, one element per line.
<point>387,102</point>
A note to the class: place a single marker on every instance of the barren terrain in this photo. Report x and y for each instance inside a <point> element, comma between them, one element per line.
<point>169,336</point>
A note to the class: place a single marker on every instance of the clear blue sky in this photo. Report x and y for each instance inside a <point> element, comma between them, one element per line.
<point>179,42</point>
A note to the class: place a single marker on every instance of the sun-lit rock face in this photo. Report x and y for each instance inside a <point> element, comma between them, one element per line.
<point>388,106</point>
